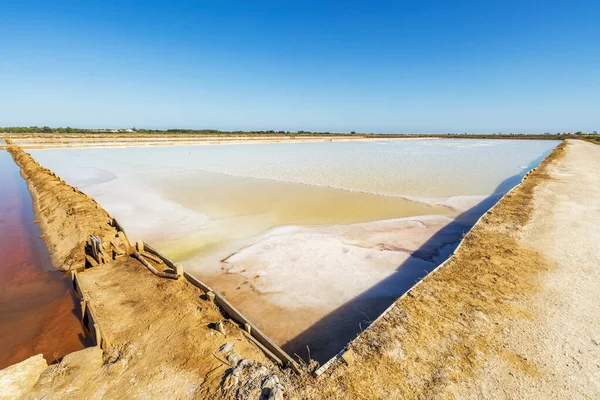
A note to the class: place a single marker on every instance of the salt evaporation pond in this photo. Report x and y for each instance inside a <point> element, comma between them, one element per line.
<point>311,241</point>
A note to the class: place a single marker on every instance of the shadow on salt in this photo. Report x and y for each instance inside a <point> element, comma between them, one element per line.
<point>325,338</point>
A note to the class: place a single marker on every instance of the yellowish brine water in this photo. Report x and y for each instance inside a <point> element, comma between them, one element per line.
<point>313,240</point>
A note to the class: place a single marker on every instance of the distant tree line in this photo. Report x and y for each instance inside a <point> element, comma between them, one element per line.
<point>69,130</point>
<point>215,132</point>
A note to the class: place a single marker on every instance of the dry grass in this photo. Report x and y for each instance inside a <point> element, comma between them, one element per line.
<point>444,329</point>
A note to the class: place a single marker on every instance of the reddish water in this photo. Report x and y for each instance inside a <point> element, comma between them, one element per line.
<point>38,313</point>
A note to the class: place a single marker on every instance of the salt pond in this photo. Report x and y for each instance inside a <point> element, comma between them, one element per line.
<point>310,240</point>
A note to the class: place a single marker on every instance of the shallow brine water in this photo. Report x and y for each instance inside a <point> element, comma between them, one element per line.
<point>37,310</point>
<point>310,240</point>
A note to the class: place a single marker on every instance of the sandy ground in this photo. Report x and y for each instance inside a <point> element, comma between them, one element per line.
<point>162,340</point>
<point>513,314</point>
<point>563,341</point>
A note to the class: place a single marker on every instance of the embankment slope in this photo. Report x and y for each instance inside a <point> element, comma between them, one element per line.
<point>159,336</point>
<point>65,215</point>
<point>513,314</point>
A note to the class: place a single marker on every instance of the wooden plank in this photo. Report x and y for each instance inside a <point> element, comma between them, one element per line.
<point>255,332</point>
<point>233,313</point>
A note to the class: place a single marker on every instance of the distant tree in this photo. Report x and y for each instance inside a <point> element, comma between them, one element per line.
<point>578,133</point>
<point>594,133</point>
<point>46,129</point>
<point>353,133</point>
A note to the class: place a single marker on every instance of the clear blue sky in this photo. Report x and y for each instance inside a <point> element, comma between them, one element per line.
<point>367,66</point>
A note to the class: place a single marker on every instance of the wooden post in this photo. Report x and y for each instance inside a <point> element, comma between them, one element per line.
<point>98,336</point>
<point>179,269</point>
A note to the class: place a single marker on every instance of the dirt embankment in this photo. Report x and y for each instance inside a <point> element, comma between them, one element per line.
<point>435,339</point>
<point>66,216</point>
<point>162,338</point>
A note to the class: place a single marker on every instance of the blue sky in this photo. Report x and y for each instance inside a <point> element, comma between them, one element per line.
<point>401,66</point>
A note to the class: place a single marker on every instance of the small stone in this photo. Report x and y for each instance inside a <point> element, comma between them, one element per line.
<point>276,393</point>
<point>233,358</point>
<point>231,381</point>
<point>269,383</point>
<point>227,347</point>
<point>244,363</point>
<point>221,327</point>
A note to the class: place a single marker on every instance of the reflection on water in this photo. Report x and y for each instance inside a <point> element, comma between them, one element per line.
<point>37,310</point>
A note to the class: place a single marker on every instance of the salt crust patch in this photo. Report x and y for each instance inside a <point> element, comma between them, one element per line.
<point>325,266</point>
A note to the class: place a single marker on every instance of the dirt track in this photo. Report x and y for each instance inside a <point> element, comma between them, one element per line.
<point>512,315</point>
<point>562,342</point>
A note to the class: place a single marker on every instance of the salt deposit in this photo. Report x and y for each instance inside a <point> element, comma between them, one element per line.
<point>310,240</point>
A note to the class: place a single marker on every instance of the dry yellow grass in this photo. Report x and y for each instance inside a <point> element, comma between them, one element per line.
<point>444,329</point>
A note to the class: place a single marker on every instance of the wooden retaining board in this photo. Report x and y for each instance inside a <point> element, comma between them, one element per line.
<point>282,357</point>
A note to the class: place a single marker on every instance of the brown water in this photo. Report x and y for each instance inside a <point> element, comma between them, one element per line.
<point>38,313</point>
